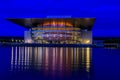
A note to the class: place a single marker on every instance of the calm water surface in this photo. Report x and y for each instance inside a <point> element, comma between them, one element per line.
<point>55,63</point>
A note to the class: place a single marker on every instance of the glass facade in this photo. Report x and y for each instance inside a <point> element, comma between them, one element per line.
<point>58,32</point>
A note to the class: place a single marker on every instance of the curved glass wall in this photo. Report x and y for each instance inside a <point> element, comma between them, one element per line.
<point>56,33</point>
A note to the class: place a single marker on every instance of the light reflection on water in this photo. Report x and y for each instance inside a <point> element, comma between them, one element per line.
<point>55,61</point>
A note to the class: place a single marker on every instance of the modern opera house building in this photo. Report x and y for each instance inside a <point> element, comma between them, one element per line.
<point>57,30</point>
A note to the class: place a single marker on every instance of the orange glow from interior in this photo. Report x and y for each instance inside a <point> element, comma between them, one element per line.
<point>56,23</point>
<point>55,28</point>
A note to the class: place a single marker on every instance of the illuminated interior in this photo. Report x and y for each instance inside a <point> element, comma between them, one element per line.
<point>57,23</point>
<point>58,32</point>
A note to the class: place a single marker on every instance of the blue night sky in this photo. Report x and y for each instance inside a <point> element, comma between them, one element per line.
<point>107,13</point>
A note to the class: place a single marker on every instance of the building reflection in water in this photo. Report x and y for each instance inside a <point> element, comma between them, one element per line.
<point>52,60</point>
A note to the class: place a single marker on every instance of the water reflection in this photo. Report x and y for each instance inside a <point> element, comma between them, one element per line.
<point>52,61</point>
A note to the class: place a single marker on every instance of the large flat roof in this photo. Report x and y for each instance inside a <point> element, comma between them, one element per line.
<point>85,23</point>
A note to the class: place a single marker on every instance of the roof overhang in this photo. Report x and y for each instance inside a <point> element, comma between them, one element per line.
<point>84,23</point>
